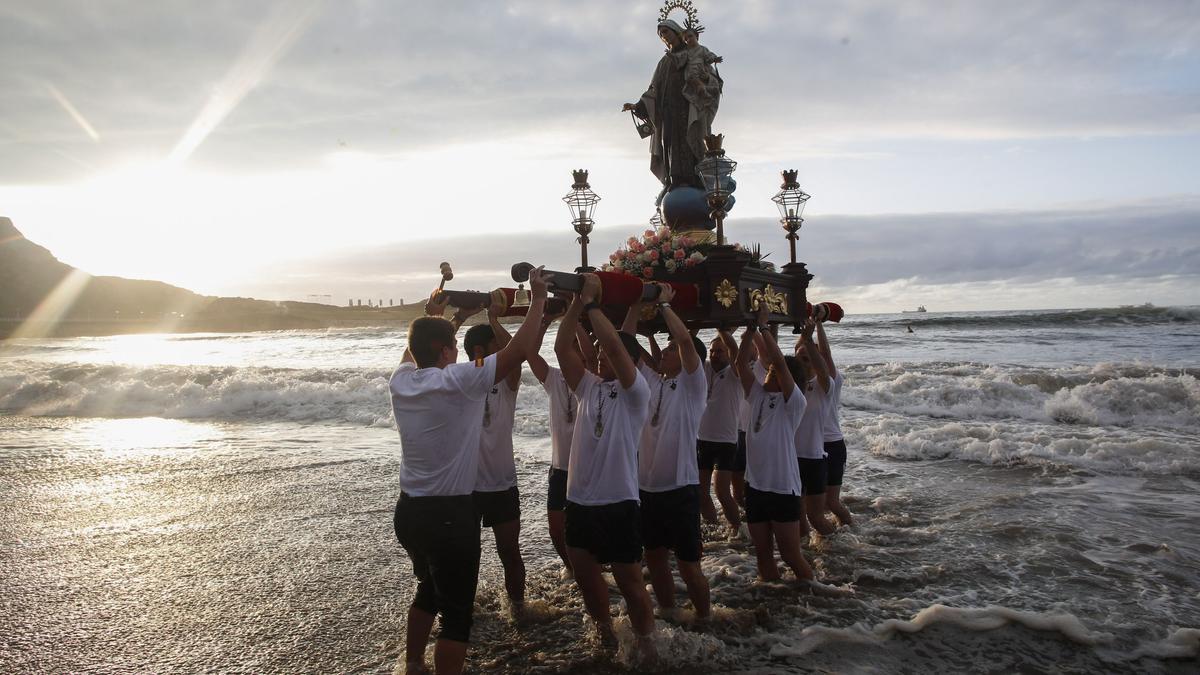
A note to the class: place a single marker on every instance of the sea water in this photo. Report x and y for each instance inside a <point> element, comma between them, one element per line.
<point>1026,486</point>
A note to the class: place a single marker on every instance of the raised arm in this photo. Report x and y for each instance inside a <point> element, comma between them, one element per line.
<point>630,324</point>
<point>688,357</point>
<point>569,360</point>
<point>725,337</point>
<point>814,356</point>
<point>503,338</point>
<point>654,356</point>
<point>824,347</point>
<point>742,367</point>
<point>772,355</point>
<point>584,341</point>
<point>610,342</point>
<point>525,342</point>
<point>538,365</point>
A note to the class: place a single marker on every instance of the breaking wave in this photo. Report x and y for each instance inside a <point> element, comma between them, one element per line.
<point>1106,394</point>
<point>199,392</point>
<point>1109,418</point>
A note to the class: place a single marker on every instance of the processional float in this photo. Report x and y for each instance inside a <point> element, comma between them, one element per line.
<point>717,283</point>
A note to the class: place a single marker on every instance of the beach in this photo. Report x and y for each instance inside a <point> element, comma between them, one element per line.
<point>1027,486</point>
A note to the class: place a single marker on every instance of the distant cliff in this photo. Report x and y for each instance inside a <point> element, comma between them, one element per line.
<point>48,297</point>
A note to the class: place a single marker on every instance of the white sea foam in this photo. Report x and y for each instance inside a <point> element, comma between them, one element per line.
<point>199,392</point>
<point>1104,394</point>
<point>971,619</point>
<point>1099,449</point>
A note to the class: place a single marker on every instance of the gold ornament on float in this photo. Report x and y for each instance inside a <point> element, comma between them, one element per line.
<point>725,294</point>
<point>776,302</point>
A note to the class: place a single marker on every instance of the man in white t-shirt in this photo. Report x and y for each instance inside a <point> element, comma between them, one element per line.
<point>668,476</point>
<point>835,442</point>
<point>602,479</point>
<point>810,438</point>
<point>438,406</point>
<point>772,479</point>
<point>564,409</point>
<point>717,438</point>
<point>497,500</point>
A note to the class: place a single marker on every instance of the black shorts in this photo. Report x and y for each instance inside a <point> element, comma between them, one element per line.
<point>835,463</point>
<point>671,520</point>
<point>556,493</point>
<point>712,454</point>
<point>608,531</point>
<point>739,460</point>
<point>441,537</point>
<point>762,506</point>
<point>494,508</point>
<point>812,476</point>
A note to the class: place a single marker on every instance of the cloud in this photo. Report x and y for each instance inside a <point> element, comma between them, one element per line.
<point>387,77</point>
<point>1133,252</point>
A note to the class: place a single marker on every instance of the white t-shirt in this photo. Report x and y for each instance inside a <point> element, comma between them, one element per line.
<point>497,467</point>
<point>810,437</point>
<point>832,426</point>
<point>667,449</point>
<point>563,410</point>
<point>603,467</point>
<point>439,412</point>
<point>720,421</point>
<point>770,451</point>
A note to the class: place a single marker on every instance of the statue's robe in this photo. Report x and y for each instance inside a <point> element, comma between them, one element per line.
<point>677,143</point>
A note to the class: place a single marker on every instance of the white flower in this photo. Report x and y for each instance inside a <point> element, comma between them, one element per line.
<point>697,256</point>
<point>670,265</point>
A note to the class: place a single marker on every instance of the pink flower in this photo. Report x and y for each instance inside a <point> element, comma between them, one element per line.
<point>679,254</point>
<point>648,272</point>
<point>648,233</point>
<point>654,254</point>
<point>652,240</point>
<point>691,262</point>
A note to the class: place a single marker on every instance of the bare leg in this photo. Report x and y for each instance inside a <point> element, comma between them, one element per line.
<point>738,478</point>
<point>707,508</point>
<point>660,577</point>
<point>725,495</point>
<point>814,510</point>
<point>420,625</point>
<point>637,600</point>
<point>558,534</point>
<point>833,504</point>
<point>449,656</point>
<point>764,551</point>
<point>788,537</point>
<point>508,546</point>
<point>592,586</point>
<point>697,587</point>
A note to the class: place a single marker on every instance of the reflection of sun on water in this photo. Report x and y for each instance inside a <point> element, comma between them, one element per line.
<point>123,439</point>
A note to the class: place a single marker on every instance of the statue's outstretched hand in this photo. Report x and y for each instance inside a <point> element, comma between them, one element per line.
<point>719,59</point>
<point>628,106</point>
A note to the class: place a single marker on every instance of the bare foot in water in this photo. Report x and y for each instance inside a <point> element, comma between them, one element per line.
<point>647,652</point>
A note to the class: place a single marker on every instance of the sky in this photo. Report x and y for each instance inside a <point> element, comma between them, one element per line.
<point>961,155</point>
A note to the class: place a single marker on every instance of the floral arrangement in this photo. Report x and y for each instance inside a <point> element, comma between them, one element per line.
<point>656,252</point>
